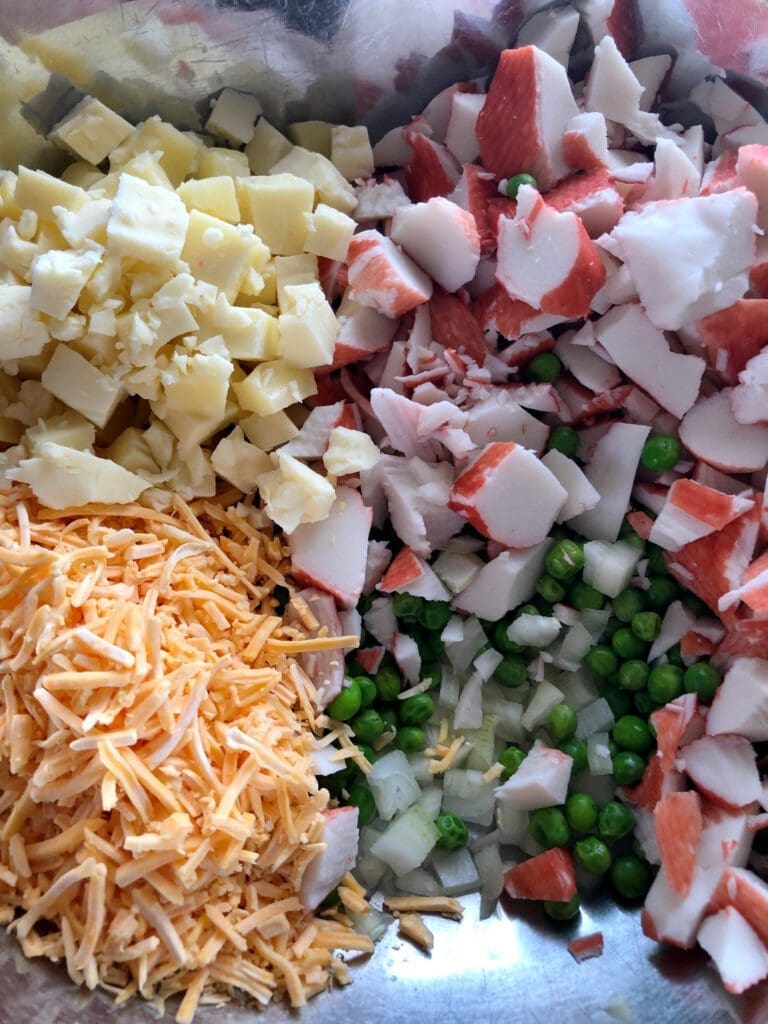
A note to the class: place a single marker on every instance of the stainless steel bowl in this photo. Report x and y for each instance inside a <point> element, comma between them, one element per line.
<point>374,62</point>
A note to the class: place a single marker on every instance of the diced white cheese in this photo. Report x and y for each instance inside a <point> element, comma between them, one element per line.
<point>294,494</point>
<point>267,146</point>
<point>349,451</point>
<point>22,333</point>
<point>221,253</point>
<point>179,150</point>
<point>91,130</point>
<point>147,222</point>
<point>240,462</point>
<point>65,478</point>
<point>233,116</point>
<point>275,205</point>
<point>58,277</point>
<point>351,152</point>
<point>199,382</point>
<point>330,185</point>
<point>307,327</point>
<point>215,196</point>
<point>217,162</point>
<point>81,386</point>
<point>273,386</point>
<point>329,232</point>
<point>268,432</point>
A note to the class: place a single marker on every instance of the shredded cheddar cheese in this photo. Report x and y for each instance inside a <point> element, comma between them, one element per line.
<point>158,805</point>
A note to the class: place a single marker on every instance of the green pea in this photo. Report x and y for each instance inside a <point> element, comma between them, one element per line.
<point>631,733</point>
<point>674,657</point>
<point>550,589</point>
<point>561,722</point>
<point>368,752</point>
<point>544,367</point>
<point>615,820</point>
<point>387,682</point>
<point>583,596</point>
<point>702,679</point>
<point>452,832</point>
<point>564,910</point>
<point>431,647</point>
<point>577,751</point>
<point>511,759</point>
<point>434,672</point>
<point>618,701</point>
<point>657,566</point>
<point>627,645</point>
<point>389,718</point>
<point>601,660</point>
<point>348,702</point>
<point>628,768</point>
<point>368,725</point>
<point>633,675</point>
<point>407,606</point>
<point>564,559</point>
<point>526,609</point>
<point>611,628</point>
<point>362,798</point>
<point>410,739</point>
<point>645,705</point>
<point>646,626</point>
<point>512,671</point>
<point>515,183</point>
<point>631,876</point>
<point>549,827</point>
<point>661,453</point>
<point>695,604</point>
<point>581,812</point>
<point>417,710</point>
<point>665,683</point>
<point>661,592</point>
<point>564,440</point>
<point>435,615</point>
<point>542,607</point>
<point>368,692</point>
<point>628,603</point>
<point>593,855</point>
<point>502,642</point>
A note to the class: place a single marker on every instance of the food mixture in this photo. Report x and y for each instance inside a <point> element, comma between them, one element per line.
<point>384,524</point>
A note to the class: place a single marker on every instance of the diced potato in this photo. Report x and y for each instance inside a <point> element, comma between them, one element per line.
<point>58,278</point>
<point>179,150</point>
<point>65,478</point>
<point>268,432</point>
<point>69,429</point>
<point>312,135</point>
<point>294,270</point>
<point>82,387</point>
<point>91,130</point>
<point>216,162</point>
<point>221,253</point>
<point>329,232</point>
<point>22,333</point>
<point>351,152</point>
<point>147,222</point>
<point>307,326</point>
<point>275,205</point>
<point>239,461</point>
<point>273,386</point>
<point>214,196</point>
<point>267,146</point>
<point>331,187</point>
<point>38,191</point>
<point>294,494</point>
<point>233,116</point>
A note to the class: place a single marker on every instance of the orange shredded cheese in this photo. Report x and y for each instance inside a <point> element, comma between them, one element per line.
<point>158,805</point>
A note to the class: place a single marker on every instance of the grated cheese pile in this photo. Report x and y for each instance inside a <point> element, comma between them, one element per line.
<point>158,804</point>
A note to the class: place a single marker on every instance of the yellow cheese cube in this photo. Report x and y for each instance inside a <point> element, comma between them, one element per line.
<point>11,431</point>
<point>131,451</point>
<point>8,206</point>
<point>275,205</point>
<point>38,191</point>
<point>313,135</point>
<point>239,461</point>
<point>66,478</point>
<point>329,232</point>
<point>349,451</point>
<point>233,115</point>
<point>199,383</point>
<point>248,333</point>
<point>82,174</point>
<point>58,277</point>
<point>22,333</point>
<point>179,150</point>
<point>84,388</point>
<point>160,441</point>
<point>214,196</point>
<point>267,295</point>
<point>68,328</point>
<point>98,349</point>
<point>307,326</point>
<point>216,162</point>
<point>91,130</point>
<point>169,316</point>
<point>84,228</point>
<point>294,494</point>
<point>194,476</point>
<point>220,253</point>
<point>69,429</point>
<point>351,152</point>
<point>268,432</point>
<point>15,253</point>
<point>147,222</point>
<point>189,428</point>
<point>331,187</point>
<point>273,386</point>
<point>294,270</point>
<point>267,146</point>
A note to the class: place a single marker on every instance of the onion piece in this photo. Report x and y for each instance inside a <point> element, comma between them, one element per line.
<point>393,784</point>
<point>534,630</point>
<point>595,717</point>
<point>419,882</point>
<point>544,698</point>
<point>408,840</point>
<point>599,754</point>
<point>455,871</point>
<point>467,794</point>
<point>491,871</point>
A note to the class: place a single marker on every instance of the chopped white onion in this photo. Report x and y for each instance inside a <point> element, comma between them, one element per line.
<point>467,794</point>
<point>566,614</point>
<point>601,788</point>
<point>380,620</point>
<point>491,872</point>
<point>449,688</point>
<point>513,823</point>
<point>373,924</point>
<point>431,800</point>
<point>578,688</point>
<point>408,840</point>
<point>370,870</point>
<point>420,767</point>
<point>609,567</point>
<point>453,633</point>
<point>534,630</point>
<point>469,709</point>
<point>508,715</point>
<point>595,620</point>
<point>483,744</point>
<point>455,871</point>
<point>462,653</point>
<point>393,784</point>
<point>419,882</point>
<point>576,642</point>
<point>599,754</point>
<point>544,698</point>
<point>487,663</point>
<point>595,717</point>
<point>326,760</point>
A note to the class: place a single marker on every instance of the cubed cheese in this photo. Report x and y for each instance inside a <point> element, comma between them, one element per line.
<point>233,116</point>
<point>275,205</point>
<point>216,162</point>
<point>65,478</point>
<point>294,494</point>
<point>215,196</point>
<point>239,461</point>
<point>351,152</point>
<point>82,174</point>
<point>22,333</point>
<point>349,451</point>
<point>330,186</point>
<point>82,387</point>
<point>69,429</point>
<point>307,326</point>
<point>294,270</point>
<point>249,333</point>
<point>131,451</point>
<point>266,147</point>
<point>91,130</point>
<point>329,232</point>
<point>221,253</point>
<point>199,383</point>
<point>313,135</point>
<point>179,150</point>
<point>268,432</point>
<point>38,191</point>
<point>58,277</point>
<point>273,386</point>
<point>147,222</point>
<point>85,228</point>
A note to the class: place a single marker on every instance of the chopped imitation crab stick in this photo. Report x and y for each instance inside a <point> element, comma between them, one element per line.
<point>752,172</point>
<point>540,781</point>
<point>720,174</point>
<point>749,399</point>
<point>673,724</point>
<point>454,325</point>
<point>711,432</point>
<point>362,332</point>
<point>520,127</point>
<point>746,638</point>
<point>742,889</point>
<point>732,336</point>
<point>753,590</point>
<point>726,838</point>
<point>670,917</point>
<point>585,947</point>
<point>473,192</point>
<point>324,873</point>
<point>694,645</point>
<point>409,574</point>
<point>441,237</point>
<point>383,277</point>
<point>715,565</point>
<point>547,259</point>
<point>723,769</point>
<point>431,171</point>
<point>487,495</point>
<point>737,950</point>
<point>496,311</point>
<point>692,511</point>
<point>655,782</point>
<point>592,197</point>
<point>741,703</point>
<point>678,831</point>
<point>502,584</point>
<point>585,142</point>
<point>370,659</point>
<point>548,876</point>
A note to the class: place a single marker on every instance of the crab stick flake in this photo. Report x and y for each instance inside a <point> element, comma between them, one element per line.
<point>738,951</point>
<point>692,511</point>
<point>741,702</point>
<point>592,197</point>
<point>673,724</point>
<point>431,170</point>
<point>720,174</point>
<point>678,831</point>
<point>441,237</point>
<point>585,142</point>
<point>585,947</point>
<point>383,277</point>
<point>743,890</point>
<point>454,325</point>
<point>410,574</point>
<point>547,876</point>
<point>723,769</point>
<point>752,173</point>
<point>732,336</point>
<point>675,919</point>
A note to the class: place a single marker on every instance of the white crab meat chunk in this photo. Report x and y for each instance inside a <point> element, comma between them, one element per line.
<point>711,432</point>
<point>611,471</point>
<point>461,133</point>
<point>540,781</point>
<point>585,142</point>
<point>409,574</point>
<point>441,237</point>
<point>723,769</point>
<point>502,584</point>
<point>741,703</point>
<point>383,277</point>
<point>749,399</point>
<point>582,496</point>
<point>752,172</point>
<point>326,870</point>
<point>737,950</point>
<point>673,918</point>
<point>692,511</point>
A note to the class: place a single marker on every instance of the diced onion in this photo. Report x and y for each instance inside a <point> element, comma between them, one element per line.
<point>455,871</point>
<point>508,715</point>
<point>578,689</point>
<point>599,754</point>
<point>544,698</point>
<point>534,630</point>
<point>373,924</point>
<point>431,800</point>
<point>491,872</point>
<point>487,663</point>
<point>461,654</point>
<point>408,841</point>
<point>595,717</point>
<point>393,784</point>
<point>513,824</point>
<point>469,709</point>
<point>466,793</point>
<point>419,882</point>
